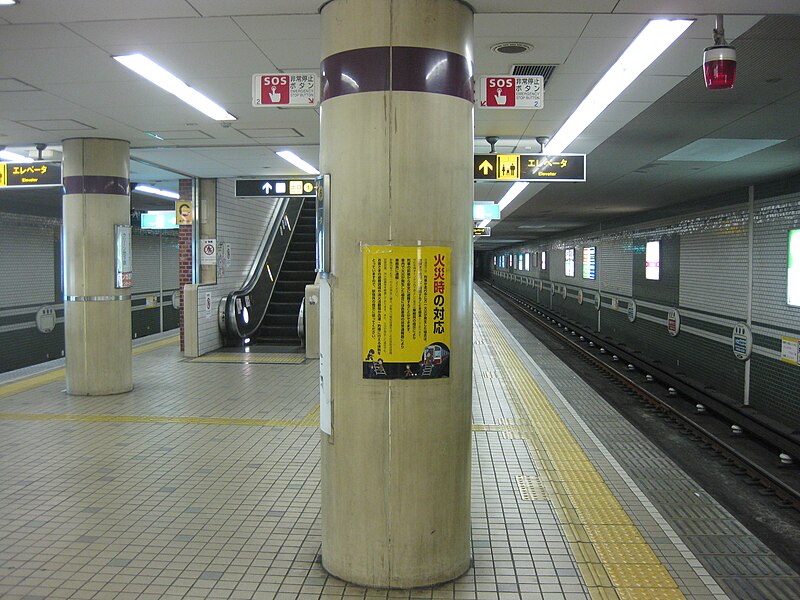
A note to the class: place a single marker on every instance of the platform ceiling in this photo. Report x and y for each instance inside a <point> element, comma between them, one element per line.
<point>57,80</point>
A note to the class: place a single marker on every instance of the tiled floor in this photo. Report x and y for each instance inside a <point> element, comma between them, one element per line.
<point>204,483</point>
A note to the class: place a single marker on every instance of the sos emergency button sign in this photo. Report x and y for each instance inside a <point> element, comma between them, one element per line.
<point>512,91</point>
<point>286,89</point>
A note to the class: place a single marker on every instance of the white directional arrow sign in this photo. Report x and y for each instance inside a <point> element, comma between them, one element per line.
<point>267,187</point>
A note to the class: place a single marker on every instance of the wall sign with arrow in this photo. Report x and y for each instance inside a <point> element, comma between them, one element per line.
<point>300,187</point>
<point>530,167</point>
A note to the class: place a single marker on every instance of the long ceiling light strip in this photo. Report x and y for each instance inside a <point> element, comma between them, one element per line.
<point>155,73</point>
<point>298,162</point>
<point>7,155</point>
<point>514,191</point>
<point>146,189</point>
<point>652,41</point>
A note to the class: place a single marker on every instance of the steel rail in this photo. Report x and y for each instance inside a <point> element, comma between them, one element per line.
<point>782,489</point>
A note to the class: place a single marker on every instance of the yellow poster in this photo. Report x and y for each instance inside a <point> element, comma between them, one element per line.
<point>183,212</point>
<point>406,312</point>
<point>3,178</point>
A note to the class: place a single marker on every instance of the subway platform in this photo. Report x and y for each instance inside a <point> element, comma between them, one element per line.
<point>203,482</point>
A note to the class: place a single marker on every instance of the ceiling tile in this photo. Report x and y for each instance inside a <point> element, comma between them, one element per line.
<point>56,125</point>
<point>280,27</point>
<point>11,84</point>
<point>159,31</point>
<point>512,26</point>
<point>271,132</point>
<point>46,11</point>
<point>25,37</point>
<point>212,8</point>
<point>543,6</point>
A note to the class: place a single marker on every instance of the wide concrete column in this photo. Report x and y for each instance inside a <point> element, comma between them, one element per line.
<point>97,313</point>
<point>396,137</point>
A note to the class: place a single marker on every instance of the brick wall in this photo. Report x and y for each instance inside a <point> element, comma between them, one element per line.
<point>184,249</point>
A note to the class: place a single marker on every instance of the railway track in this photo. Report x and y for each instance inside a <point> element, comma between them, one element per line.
<point>758,453</point>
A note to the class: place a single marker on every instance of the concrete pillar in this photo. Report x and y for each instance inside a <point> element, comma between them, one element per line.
<point>97,312</point>
<point>396,137</point>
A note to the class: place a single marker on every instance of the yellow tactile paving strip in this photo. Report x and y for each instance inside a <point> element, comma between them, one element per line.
<point>285,358</point>
<point>615,560</point>
<point>34,381</point>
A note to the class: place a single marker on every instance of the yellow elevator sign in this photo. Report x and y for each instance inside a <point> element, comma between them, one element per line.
<point>508,166</point>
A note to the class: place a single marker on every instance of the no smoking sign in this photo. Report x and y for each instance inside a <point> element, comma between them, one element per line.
<point>208,252</point>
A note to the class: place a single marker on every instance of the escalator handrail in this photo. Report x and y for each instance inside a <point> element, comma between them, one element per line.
<point>272,250</point>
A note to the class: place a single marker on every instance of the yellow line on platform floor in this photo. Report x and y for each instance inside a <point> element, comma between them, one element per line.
<point>613,556</point>
<point>173,339</point>
<point>310,420</point>
<point>34,381</point>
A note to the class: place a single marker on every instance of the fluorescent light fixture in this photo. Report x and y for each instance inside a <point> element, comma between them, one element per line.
<point>8,2</point>
<point>652,41</point>
<point>14,157</point>
<point>484,223</point>
<point>141,65</point>
<point>514,191</point>
<point>146,189</point>
<point>298,162</point>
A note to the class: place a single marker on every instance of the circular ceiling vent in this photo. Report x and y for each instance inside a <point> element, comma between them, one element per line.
<point>512,47</point>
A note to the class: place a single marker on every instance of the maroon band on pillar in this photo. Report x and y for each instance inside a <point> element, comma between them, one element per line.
<point>412,70</point>
<point>96,184</point>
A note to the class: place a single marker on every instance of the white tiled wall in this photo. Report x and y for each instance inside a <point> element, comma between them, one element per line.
<point>614,264</point>
<point>773,218</point>
<point>714,264</point>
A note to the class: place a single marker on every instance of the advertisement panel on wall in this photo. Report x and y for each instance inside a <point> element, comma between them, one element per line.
<point>793,269</point>
<point>123,257</point>
<point>406,307</point>
<point>652,260</point>
<point>569,262</point>
<point>589,264</point>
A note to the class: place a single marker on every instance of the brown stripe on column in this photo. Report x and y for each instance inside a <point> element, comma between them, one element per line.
<point>96,184</point>
<point>430,70</point>
<point>412,70</point>
<point>355,71</point>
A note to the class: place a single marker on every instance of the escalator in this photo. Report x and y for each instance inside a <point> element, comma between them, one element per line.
<point>279,327</point>
<point>267,309</point>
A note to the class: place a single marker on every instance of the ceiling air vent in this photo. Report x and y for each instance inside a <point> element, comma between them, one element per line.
<point>544,70</point>
<point>511,47</point>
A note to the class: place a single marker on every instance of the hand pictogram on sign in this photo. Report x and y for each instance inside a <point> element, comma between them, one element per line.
<point>500,91</point>
<point>275,89</point>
